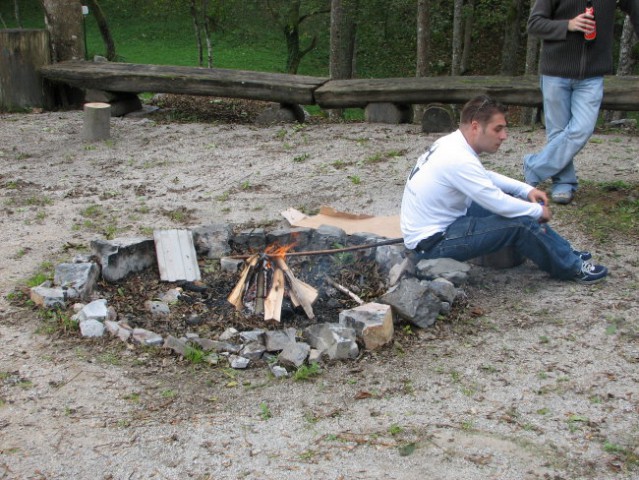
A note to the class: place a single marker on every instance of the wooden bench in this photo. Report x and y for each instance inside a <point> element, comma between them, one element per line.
<point>217,82</point>
<point>620,93</point>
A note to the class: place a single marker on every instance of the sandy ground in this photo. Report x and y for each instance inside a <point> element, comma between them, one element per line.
<point>540,383</point>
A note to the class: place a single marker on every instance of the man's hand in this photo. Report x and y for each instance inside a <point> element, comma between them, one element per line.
<point>546,214</point>
<point>538,196</point>
<point>581,23</point>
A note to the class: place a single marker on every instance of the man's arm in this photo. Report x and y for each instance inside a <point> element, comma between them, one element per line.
<point>542,24</point>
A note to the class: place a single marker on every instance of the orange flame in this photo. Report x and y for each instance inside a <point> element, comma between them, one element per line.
<point>275,250</point>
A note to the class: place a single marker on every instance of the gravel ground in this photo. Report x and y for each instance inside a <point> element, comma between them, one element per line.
<point>538,380</point>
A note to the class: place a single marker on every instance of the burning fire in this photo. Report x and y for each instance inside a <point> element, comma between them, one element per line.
<point>270,275</point>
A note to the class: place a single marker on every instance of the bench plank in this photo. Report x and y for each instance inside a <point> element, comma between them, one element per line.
<point>218,82</point>
<point>620,93</point>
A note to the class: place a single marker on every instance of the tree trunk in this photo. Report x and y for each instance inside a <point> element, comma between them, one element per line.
<point>626,60</point>
<point>207,33</point>
<point>198,32</point>
<point>511,38</point>
<point>105,31</point>
<point>424,44</point>
<point>458,10</point>
<point>468,36</point>
<point>342,42</point>
<point>16,13</point>
<point>64,22</point>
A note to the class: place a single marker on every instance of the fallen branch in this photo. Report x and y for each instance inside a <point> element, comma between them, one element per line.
<point>331,251</point>
<point>343,289</point>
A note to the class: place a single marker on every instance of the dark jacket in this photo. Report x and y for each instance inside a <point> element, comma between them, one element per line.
<point>567,54</point>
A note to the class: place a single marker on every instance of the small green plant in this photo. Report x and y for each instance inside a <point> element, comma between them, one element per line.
<point>395,429</point>
<point>132,397</point>
<point>194,354</point>
<point>245,185</point>
<point>305,372</point>
<point>338,164</point>
<point>301,158</point>
<point>223,197</point>
<point>355,179</point>
<point>265,412</point>
<point>168,393</point>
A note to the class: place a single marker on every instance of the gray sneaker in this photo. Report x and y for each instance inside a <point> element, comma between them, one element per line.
<point>562,198</point>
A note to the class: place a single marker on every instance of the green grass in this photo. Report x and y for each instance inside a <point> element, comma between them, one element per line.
<point>606,210</point>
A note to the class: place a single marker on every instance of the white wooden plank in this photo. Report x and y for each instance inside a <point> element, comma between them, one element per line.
<point>176,255</point>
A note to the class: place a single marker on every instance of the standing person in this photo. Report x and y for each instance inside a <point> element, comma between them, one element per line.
<point>572,65</point>
<point>453,207</point>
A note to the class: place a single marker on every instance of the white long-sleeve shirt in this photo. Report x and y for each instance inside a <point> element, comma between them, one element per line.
<point>446,180</point>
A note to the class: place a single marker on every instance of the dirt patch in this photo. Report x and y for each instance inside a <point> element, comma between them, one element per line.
<point>531,378</point>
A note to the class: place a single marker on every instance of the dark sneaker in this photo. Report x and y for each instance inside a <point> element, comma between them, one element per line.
<point>591,273</point>
<point>583,255</point>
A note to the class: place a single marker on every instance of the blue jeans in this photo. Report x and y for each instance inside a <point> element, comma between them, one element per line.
<point>481,232</point>
<point>571,109</point>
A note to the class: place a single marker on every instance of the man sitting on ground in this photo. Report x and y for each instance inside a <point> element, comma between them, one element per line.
<point>453,207</point>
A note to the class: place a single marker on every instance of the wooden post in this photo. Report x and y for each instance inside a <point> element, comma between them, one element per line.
<point>22,53</point>
<point>97,121</point>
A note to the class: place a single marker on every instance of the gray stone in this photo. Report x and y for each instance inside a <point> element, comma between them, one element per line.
<point>95,310</point>
<point>387,256</point>
<point>413,301</point>
<point>452,270</point>
<point>253,336</point>
<point>373,323</point>
<point>122,256</point>
<point>253,350</point>
<point>48,297</point>
<point>444,289</point>
<point>212,359</point>
<point>238,362</point>
<point>253,239</point>
<point>399,270</point>
<point>78,278</point>
<point>327,236</point>
<point>285,236</point>
<point>276,340</point>
<point>175,344</point>
<point>171,296</point>
<point>209,345</point>
<point>229,334</point>
<point>146,337</point>
<point>91,328</point>
<point>232,265</point>
<point>279,371</point>
<point>157,309</point>
<point>122,106</point>
<point>281,113</point>
<point>120,330</point>
<point>294,355</point>
<point>212,241</point>
<point>336,341</point>
<point>314,356</point>
<point>387,112</point>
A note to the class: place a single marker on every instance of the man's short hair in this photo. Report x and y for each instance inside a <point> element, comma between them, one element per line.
<point>481,108</point>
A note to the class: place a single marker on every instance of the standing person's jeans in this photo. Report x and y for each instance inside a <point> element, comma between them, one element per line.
<point>571,109</point>
<point>480,232</point>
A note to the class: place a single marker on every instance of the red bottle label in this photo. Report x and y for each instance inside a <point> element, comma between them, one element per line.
<point>591,35</point>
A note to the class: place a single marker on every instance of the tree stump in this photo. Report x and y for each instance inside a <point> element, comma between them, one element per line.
<point>23,53</point>
<point>97,121</point>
